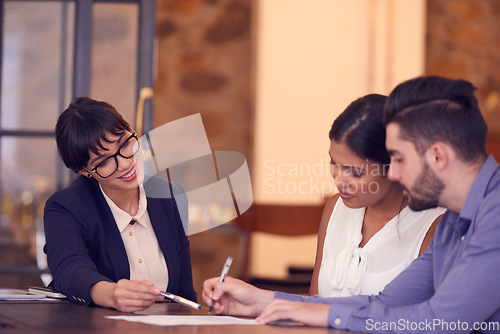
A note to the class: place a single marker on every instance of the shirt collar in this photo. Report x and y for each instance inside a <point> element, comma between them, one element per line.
<point>121,217</point>
<point>476,194</point>
<point>478,189</point>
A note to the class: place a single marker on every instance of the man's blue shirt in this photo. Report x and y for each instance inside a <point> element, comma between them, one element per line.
<point>454,287</point>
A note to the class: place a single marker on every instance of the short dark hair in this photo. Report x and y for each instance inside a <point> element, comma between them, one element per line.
<point>83,127</point>
<point>360,127</point>
<point>430,109</point>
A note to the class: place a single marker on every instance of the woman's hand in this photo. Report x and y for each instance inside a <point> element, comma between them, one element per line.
<point>311,314</point>
<point>235,297</point>
<point>125,295</point>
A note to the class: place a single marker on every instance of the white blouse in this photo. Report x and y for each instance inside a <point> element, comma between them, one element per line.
<point>347,269</point>
<point>145,258</point>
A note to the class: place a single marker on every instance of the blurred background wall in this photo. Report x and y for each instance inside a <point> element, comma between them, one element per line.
<point>268,78</point>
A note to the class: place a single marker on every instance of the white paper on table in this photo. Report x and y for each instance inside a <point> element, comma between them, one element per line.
<point>15,294</point>
<point>177,320</point>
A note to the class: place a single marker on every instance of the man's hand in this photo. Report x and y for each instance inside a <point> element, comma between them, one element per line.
<point>311,314</point>
<point>235,297</point>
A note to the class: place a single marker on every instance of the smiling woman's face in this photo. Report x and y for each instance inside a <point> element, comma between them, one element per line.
<point>130,172</point>
<point>360,182</point>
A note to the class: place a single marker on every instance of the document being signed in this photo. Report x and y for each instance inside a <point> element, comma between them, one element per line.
<point>177,320</point>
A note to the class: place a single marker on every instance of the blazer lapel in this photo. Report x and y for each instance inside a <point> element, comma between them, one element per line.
<point>114,243</point>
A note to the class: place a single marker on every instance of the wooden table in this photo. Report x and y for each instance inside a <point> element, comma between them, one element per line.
<point>66,317</point>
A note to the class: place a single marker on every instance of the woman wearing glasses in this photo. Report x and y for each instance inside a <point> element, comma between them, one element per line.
<point>108,244</point>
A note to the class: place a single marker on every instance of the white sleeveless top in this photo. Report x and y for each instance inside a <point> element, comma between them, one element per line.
<point>346,269</point>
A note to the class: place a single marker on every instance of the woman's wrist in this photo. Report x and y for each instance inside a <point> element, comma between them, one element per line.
<point>102,294</point>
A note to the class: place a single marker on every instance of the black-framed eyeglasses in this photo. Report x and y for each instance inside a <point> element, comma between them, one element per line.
<point>109,166</point>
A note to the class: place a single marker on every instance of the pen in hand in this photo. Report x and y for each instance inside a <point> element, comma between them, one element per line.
<point>180,300</point>
<point>223,275</point>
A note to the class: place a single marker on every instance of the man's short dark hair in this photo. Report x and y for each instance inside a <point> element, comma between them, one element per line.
<point>83,127</point>
<point>432,109</point>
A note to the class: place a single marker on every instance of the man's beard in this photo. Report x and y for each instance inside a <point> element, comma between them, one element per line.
<point>426,190</point>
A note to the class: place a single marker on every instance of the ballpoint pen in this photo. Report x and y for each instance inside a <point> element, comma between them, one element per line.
<point>181,300</point>
<point>223,275</point>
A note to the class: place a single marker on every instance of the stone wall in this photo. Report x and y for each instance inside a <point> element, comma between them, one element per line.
<point>463,41</point>
<point>205,66</point>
